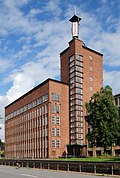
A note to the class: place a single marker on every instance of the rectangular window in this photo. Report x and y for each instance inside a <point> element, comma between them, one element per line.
<point>72,64</point>
<point>46,120</point>
<point>57,132</point>
<point>55,109</point>
<point>55,97</point>
<point>72,58</point>
<point>46,109</point>
<point>53,120</point>
<point>78,68</point>
<point>53,132</point>
<point>58,143</point>
<point>79,74</point>
<point>57,120</point>
<point>45,97</point>
<point>72,69</point>
<point>53,143</point>
<point>71,80</point>
<point>40,100</point>
<point>78,79</point>
<point>72,75</point>
<point>72,86</point>
<point>78,57</point>
<point>46,132</point>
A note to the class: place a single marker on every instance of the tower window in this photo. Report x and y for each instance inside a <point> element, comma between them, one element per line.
<point>90,68</point>
<point>72,58</point>
<point>90,88</point>
<point>91,79</point>
<point>90,58</point>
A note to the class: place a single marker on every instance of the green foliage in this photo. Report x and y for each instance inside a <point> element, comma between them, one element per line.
<point>103,119</point>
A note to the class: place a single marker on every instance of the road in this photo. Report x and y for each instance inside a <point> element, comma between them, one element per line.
<point>12,172</point>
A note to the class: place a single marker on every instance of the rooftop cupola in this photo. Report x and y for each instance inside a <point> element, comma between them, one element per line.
<point>75,26</point>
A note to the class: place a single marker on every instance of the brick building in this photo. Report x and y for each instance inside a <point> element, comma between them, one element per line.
<point>81,69</point>
<point>50,119</point>
<point>37,124</point>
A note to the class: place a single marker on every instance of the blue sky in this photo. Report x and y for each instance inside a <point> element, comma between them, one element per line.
<point>34,32</point>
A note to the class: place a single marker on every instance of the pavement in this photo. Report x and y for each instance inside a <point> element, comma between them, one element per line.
<point>14,172</point>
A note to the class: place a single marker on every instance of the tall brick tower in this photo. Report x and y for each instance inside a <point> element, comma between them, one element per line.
<point>81,68</point>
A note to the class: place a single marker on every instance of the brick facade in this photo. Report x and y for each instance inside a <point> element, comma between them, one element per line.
<point>37,124</point>
<point>81,69</point>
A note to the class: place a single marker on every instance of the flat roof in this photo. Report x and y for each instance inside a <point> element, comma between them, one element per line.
<point>84,46</point>
<point>38,86</point>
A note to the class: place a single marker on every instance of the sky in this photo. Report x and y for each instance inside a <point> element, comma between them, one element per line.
<point>34,32</point>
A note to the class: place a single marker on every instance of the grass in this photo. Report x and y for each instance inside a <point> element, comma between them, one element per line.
<point>93,159</point>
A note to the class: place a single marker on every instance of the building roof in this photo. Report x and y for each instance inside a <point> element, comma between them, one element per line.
<point>75,18</point>
<point>117,95</point>
<point>83,45</point>
<point>38,86</point>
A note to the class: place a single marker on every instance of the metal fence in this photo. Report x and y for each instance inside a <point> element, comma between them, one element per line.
<point>112,168</point>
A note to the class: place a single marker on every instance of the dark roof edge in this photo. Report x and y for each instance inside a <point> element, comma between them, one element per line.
<point>117,95</point>
<point>64,51</point>
<point>40,85</point>
<point>93,51</point>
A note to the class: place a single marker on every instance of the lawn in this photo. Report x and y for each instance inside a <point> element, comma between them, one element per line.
<point>93,159</point>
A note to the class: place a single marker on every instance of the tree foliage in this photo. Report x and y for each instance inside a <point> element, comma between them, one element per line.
<point>103,119</point>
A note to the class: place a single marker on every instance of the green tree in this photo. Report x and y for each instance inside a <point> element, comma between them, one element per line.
<point>103,119</point>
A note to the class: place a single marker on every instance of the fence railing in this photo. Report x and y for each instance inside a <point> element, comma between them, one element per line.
<point>112,168</point>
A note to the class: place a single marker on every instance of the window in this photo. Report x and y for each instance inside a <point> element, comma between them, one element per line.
<point>79,90</point>
<point>72,69</point>
<point>57,132</point>
<point>72,75</point>
<point>40,111</point>
<point>55,97</point>
<point>90,88</point>
<point>53,132</point>
<point>29,105</point>
<point>78,57</point>
<point>57,120</point>
<point>46,120</point>
<point>45,97</point>
<point>40,100</point>
<point>46,132</point>
<point>53,120</point>
<point>71,85</point>
<point>78,79</point>
<point>90,79</point>
<point>34,103</point>
<point>53,143</point>
<point>58,143</point>
<point>72,58</point>
<point>90,57</point>
<point>72,103</point>
<point>90,68</point>
<point>79,74</point>
<point>55,109</point>
<point>78,68</point>
<point>72,64</point>
<point>71,80</point>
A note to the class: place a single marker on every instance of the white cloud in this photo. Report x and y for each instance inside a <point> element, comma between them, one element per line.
<point>4,64</point>
<point>3,101</point>
<point>112,79</point>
